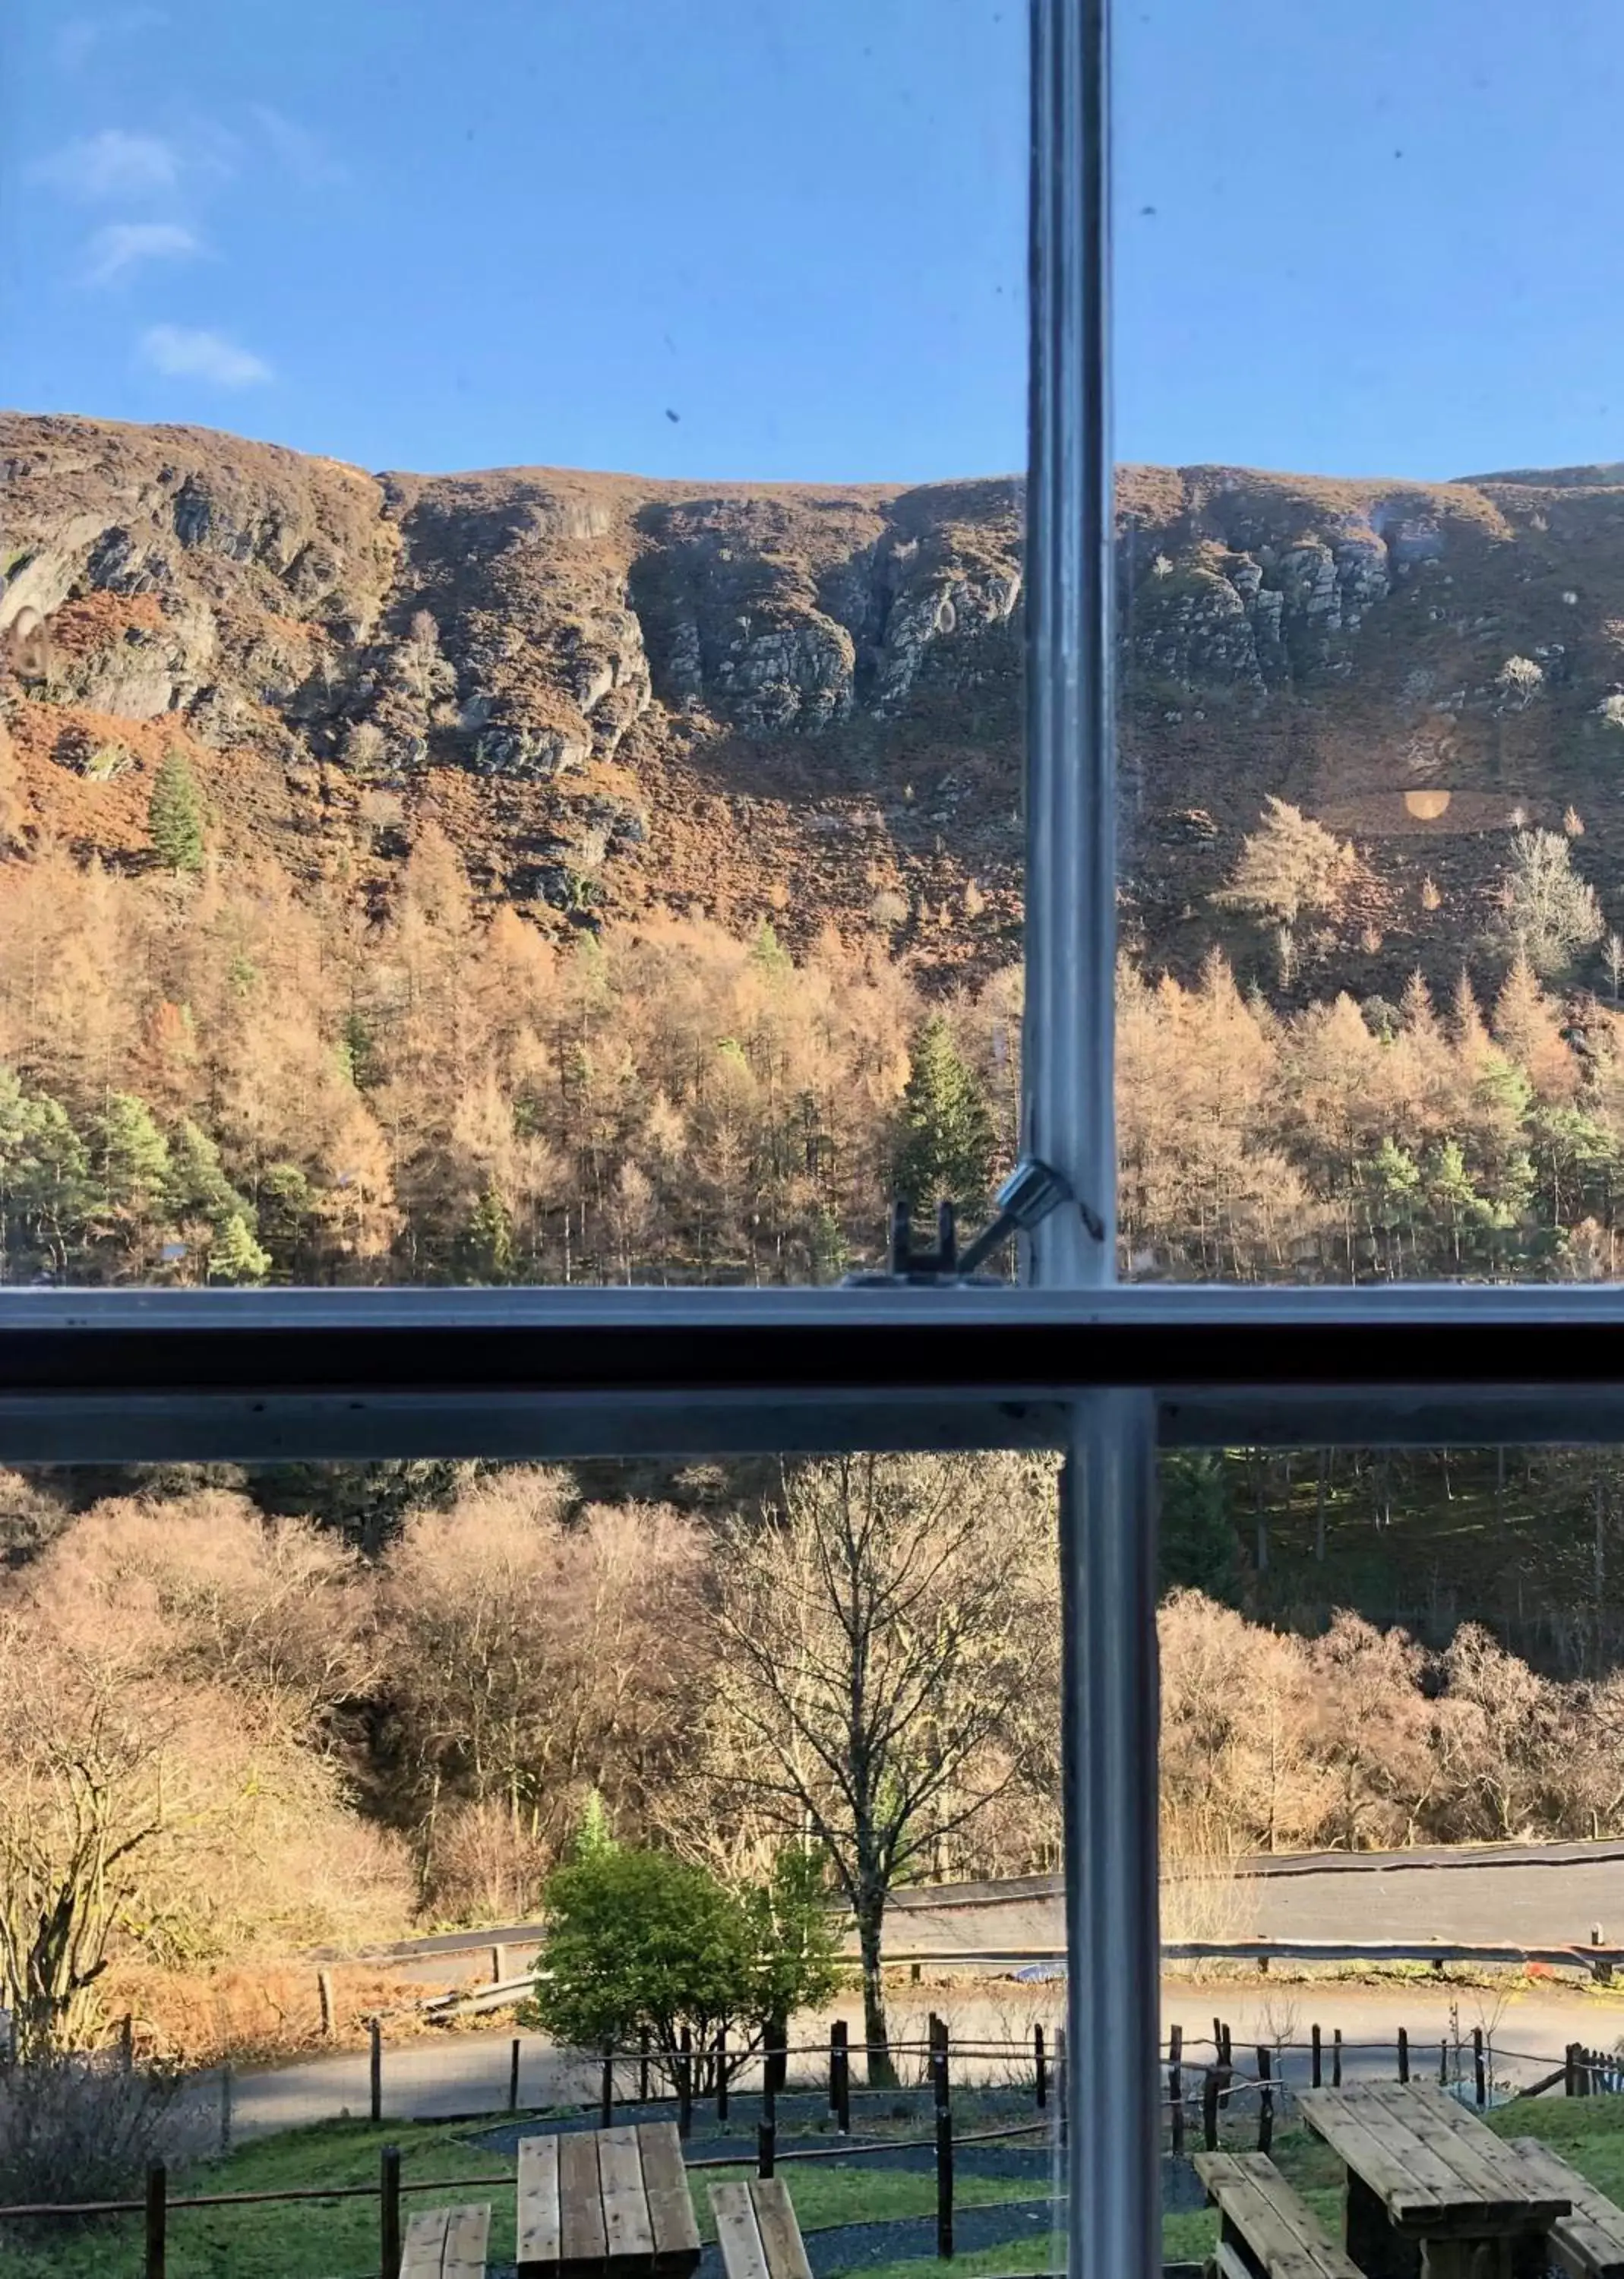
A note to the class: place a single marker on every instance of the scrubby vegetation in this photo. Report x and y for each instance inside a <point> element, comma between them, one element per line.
<point>228,1733</point>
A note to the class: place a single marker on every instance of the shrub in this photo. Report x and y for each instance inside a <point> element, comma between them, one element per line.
<point>644,1940</point>
<point>74,2127</point>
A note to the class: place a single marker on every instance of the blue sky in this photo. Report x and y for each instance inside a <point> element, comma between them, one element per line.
<point>436,234</point>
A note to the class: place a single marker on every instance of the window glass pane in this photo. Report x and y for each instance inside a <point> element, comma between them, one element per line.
<point>1418,1809</point>
<point>387,1707</point>
<point>550,859</point>
<point>1368,542</point>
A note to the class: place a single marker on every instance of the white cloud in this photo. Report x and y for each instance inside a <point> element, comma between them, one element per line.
<point>111,165</point>
<point>185,354</point>
<point>302,153</point>
<point>124,245</point>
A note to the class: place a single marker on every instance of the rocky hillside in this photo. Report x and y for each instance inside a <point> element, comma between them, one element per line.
<point>806,703</point>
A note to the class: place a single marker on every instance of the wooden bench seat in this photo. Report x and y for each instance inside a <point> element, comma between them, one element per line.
<point>446,2244</point>
<point>756,2230</point>
<point>1265,2226</point>
<point>593,2199</point>
<point>1590,2243</point>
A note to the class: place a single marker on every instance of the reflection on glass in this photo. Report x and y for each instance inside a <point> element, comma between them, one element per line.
<point>1371,695</point>
<point>1392,1788</point>
<point>537,873</point>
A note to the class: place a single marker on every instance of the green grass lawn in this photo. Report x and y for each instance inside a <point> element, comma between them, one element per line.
<point>829,2192</point>
<point>338,2240</point>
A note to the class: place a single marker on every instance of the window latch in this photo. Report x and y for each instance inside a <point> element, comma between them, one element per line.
<point>1032,1190</point>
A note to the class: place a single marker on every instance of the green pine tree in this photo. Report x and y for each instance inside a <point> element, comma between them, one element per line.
<point>197,1186</point>
<point>132,1155</point>
<point>1198,1547</point>
<point>768,953</point>
<point>946,1140</point>
<point>175,814</point>
<point>235,1256</point>
<point>489,1239</point>
<point>595,1837</point>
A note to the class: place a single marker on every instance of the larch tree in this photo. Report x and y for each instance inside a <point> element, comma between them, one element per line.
<point>1290,865</point>
<point>1548,913</point>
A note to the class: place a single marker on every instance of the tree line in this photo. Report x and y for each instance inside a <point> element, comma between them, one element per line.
<point>212,1078</point>
<point>224,1732</point>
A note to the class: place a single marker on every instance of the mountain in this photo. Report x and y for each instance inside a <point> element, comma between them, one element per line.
<point>806,702</point>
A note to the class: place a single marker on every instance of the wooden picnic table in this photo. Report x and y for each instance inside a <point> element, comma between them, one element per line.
<point>598,2203</point>
<point>1429,2190</point>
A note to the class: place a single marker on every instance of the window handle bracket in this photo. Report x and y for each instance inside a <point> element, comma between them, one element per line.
<point>1032,1190</point>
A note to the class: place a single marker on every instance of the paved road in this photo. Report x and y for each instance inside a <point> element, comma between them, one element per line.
<point>1543,1896</point>
<point>438,2075</point>
<point>1535,1895</point>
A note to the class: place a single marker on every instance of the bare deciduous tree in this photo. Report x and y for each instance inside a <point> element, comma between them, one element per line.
<point>876,1643</point>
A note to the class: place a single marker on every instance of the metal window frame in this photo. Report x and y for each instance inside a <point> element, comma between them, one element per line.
<point>1069,1361</point>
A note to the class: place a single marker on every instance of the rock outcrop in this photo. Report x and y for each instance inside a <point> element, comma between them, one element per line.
<point>612,692</point>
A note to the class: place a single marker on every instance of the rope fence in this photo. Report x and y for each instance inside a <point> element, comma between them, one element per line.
<point>1204,2089</point>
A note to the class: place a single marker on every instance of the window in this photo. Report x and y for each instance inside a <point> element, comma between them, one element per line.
<point>1069,1360</point>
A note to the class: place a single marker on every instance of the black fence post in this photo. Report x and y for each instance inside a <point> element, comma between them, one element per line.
<point>157,2220</point>
<point>1443,2063</point>
<point>1176,2086</point>
<point>1040,2069</point>
<point>1209,2108</point>
<point>642,2064</point>
<point>1062,2077</point>
<point>944,2149</point>
<point>1570,2070</point>
<point>606,2089</point>
<point>721,2072</point>
<point>1316,2056</point>
<point>767,2129</point>
<point>376,2070</point>
<point>1266,2100</point>
<point>840,2072</point>
<point>389,2211</point>
<point>513,2074</point>
<point>1335,2058</point>
<point>1404,2055</point>
<point>684,2083</point>
<point>1479,2071</point>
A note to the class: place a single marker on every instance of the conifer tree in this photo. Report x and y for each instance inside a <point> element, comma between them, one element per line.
<point>945,1150</point>
<point>1198,1547</point>
<point>235,1256</point>
<point>175,815</point>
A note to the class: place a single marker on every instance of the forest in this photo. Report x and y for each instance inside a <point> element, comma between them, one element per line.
<point>207,1076</point>
<point>248,1714</point>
